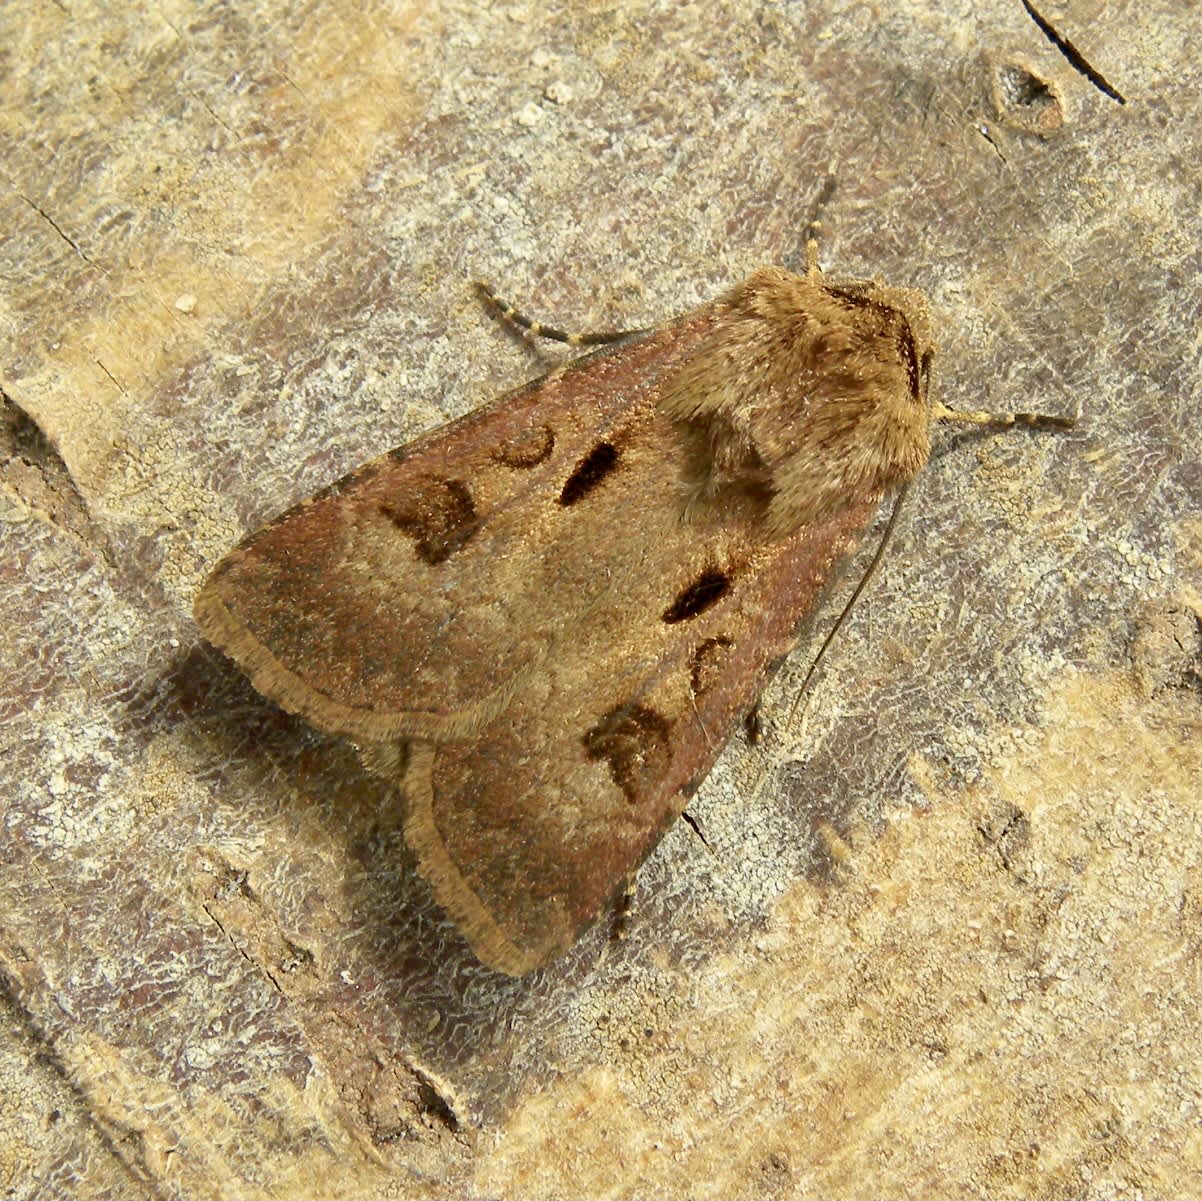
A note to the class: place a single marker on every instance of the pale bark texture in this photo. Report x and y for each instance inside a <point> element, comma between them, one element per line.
<point>946,938</point>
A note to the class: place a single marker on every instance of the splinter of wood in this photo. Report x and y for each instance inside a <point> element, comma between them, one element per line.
<point>1078,60</point>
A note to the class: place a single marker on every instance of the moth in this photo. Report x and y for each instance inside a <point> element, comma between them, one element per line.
<point>542,621</point>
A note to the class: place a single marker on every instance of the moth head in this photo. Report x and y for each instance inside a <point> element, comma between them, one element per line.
<point>812,391</point>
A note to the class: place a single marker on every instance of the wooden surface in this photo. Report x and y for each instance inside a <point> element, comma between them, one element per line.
<point>948,937</point>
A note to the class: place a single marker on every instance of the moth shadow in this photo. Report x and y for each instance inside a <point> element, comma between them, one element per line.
<point>342,881</point>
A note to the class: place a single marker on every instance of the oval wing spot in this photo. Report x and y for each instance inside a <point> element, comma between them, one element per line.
<point>439,515</point>
<point>706,590</point>
<point>526,449</point>
<point>633,739</point>
<point>590,471</point>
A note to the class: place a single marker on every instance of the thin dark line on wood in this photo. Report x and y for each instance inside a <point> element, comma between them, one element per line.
<point>1074,56</point>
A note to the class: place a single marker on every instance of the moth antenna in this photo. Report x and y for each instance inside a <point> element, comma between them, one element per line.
<point>940,412</point>
<point>536,329</point>
<point>814,226</point>
<point>1002,421</point>
<point>802,696</point>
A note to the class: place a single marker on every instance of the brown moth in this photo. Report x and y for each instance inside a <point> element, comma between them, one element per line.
<point>542,621</point>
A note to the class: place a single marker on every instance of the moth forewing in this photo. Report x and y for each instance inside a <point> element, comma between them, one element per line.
<point>563,603</point>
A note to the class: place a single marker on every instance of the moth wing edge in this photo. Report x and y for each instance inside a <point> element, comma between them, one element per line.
<point>491,945</point>
<point>279,684</point>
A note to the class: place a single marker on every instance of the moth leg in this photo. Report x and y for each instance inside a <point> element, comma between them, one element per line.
<point>623,908</point>
<point>753,727</point>
<point>695,826</point>
<point>814,227</point>
<point>624,905</point>
<point>1002,421</point>
<point>537,329</point>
